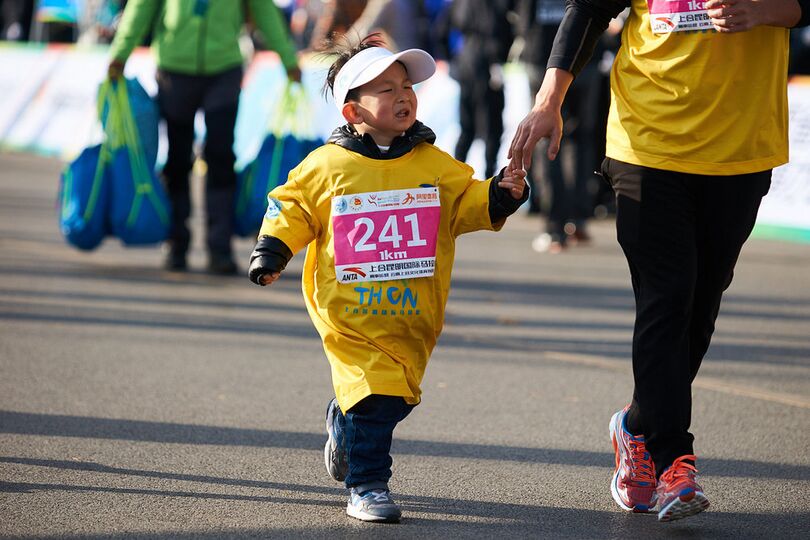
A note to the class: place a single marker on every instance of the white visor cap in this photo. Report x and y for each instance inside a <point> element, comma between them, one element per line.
<point>369,63</point>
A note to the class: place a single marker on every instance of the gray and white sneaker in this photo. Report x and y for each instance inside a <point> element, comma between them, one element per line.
<point>334,452</point>
<point>373,505</point>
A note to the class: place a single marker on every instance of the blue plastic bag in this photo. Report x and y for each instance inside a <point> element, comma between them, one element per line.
<point>146,115</point>
<point>139,207</point>
<point>290,139</point>
<point>84,197</point>
<point>276,158</point>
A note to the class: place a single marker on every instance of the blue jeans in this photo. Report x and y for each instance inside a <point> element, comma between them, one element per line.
<point>367,429</point>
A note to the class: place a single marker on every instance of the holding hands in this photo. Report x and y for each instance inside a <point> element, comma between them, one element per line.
<point>514,181</point>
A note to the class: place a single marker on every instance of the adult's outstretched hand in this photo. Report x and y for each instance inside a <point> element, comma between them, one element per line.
<point>544,121</point>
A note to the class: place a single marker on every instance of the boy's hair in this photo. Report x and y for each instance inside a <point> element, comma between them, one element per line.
<point>344,51</point>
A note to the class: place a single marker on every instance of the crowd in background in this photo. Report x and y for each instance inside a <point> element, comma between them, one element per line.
<point>476,38</point>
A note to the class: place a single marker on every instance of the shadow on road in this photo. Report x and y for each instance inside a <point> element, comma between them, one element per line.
<point>20,423</point>
<point>456,518</point>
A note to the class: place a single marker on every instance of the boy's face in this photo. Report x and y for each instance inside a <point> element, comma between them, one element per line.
<point>387,105</point>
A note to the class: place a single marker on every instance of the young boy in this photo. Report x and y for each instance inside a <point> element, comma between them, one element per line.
<point>379,209</point>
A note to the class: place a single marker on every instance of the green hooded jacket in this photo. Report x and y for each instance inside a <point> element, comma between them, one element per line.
<point>200,37</point>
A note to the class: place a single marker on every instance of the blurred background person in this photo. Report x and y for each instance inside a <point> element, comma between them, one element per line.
<point>799,51</point>
<point>332,20</point>
<point>15,19</point>
<point>486,37</point>
<point>403,23</point>
<point>567,186</point>
<point>196,43</point>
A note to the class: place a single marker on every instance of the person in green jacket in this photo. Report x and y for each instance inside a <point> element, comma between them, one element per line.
<point>196,44</point>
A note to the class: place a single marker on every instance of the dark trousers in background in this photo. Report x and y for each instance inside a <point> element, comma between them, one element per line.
<point>681,234</point>
<point>180,97</point>
<point>480,114</point>
<point>368,429</point>
<point>569,196</point>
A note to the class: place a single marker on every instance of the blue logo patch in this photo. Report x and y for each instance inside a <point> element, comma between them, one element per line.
<point>341,205</point>
<point>273,208</point>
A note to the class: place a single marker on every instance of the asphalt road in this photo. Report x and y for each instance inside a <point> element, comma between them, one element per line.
<point>135,403</point>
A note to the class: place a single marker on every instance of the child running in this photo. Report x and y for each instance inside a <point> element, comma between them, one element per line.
<point>379,208</point>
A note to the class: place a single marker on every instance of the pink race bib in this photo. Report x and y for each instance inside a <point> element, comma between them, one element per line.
<point>678,16</point>
<point>385,235</point>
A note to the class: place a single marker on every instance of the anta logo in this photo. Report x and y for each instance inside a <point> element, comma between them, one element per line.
<point>352,274</point>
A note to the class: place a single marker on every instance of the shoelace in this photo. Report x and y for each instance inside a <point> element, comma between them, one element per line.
<point>680,469</point>
<point>380,496</point>
<point>641,470</point>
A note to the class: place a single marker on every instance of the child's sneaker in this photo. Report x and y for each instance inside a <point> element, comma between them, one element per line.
<point>334,453</point>
<point>679,494</point>
<point>373,505</point>
<point>633,484</point>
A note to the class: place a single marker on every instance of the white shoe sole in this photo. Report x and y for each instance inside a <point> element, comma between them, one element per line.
<point>329,449</point>
<point>679,509</point>
<point>364,516</point>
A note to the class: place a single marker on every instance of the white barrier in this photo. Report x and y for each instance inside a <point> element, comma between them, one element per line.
<point>785,212</point>
<point>50,92</point>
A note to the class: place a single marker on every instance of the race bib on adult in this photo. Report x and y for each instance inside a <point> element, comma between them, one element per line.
<point>678,16</point>
<point>385,235</point>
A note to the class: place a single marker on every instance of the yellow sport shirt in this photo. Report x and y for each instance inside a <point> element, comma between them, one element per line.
<point>377,334</point>
<point>686,98</point>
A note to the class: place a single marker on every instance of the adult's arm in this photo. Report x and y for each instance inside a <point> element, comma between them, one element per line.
<point>135,23</point>
<point>271,24</point>
<point>582,25</point>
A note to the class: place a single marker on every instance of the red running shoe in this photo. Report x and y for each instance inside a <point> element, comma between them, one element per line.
<point>679,494</point>
<point>633,485</point>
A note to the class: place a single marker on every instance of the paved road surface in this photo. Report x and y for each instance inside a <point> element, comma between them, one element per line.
<point>140,404</point>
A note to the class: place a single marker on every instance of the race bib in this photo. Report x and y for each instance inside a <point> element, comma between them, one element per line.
<point>386,235</point>
<point>678,16</point>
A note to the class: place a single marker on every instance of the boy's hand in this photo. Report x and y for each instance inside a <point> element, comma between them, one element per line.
<point>268,279</point>
<point>514,181</point>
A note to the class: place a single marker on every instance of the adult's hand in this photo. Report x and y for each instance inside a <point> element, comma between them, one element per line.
<point>729,16</point>
<point>543,122</point>
<point>115,70</point>
<point>294,74</point>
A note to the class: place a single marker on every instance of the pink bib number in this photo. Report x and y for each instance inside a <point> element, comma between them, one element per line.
<point>385,235</point>
<point>678,16</point>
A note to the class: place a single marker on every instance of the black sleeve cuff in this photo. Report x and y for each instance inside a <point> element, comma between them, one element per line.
<point>501,203</point>
<point>582,25</point>
<point>270,255</point>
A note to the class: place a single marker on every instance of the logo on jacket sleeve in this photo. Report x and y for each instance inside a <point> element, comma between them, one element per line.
<point>273,208</point>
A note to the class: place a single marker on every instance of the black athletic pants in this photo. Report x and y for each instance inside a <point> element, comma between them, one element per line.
<point>180,96</point>
<point>681,234</point>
